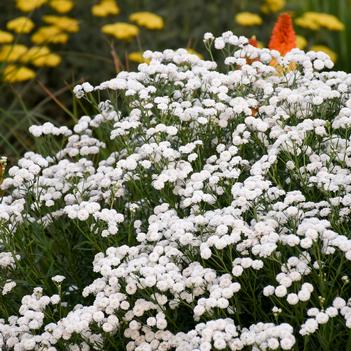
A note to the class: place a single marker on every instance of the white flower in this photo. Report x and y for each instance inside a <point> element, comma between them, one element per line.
<point>280,291</point>
<point>322,318</point>
<point>268,290</point>
<point>339,302</point>
<point>58,279</point>
<point>292,299</point>
<point>219,43</point>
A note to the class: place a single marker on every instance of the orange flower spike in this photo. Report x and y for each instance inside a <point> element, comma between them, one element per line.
<point>283,37</point>
<point>253,41</point>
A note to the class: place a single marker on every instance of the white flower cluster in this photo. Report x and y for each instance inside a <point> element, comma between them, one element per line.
<point>216,200</point>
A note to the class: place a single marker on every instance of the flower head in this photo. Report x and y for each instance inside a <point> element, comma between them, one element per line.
<point>121,31</point>
<point>62,6</point>
<point>20,25</point>
<point>49,34</point>
<point>105,8</point>
<point>148,20</point>
<point>5,37</point>
<point>66,24</point>
<point>29,5</point>
<point>12,53</point>
<point>318,20</point>
<point>272,6</point>
<point>253,41</point>
<point>13,74</point>
<point>248,19</point>
<point>283,37</point>
<point>41,56</point>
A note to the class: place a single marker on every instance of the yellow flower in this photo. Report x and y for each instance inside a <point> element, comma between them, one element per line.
<point>5,37</point>
<point>11,53</point>
<point>41,56</point>
<point>105,8</point>
<point>13,74</point>
<point>248,19</point>
<point>61,6</point>
<point>29,5</point>
<point>66,24</point>
<point>49,34</point>
<point>194,52</point>
<point>20,25</point>
<point>122,31</point>
<point>148,20</point>
<point>137,56</point>
<point>318,20</point>
<point>301,42</point>
<point>333,56</point>
<point>272,6</point>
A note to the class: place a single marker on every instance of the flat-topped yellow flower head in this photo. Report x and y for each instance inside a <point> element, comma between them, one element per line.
<point>318,20</point>
<point>49,34</point>
<point>248,19</point>
<point>5,37</point>
<point>14,74</point>
<point>148,20</point>
<point>41,56</point>
<point>105,8</point>
<point>12,53</point>
<point>272,6</point>
<point>20,25</point>
<point>121,31</point>
<point>61,6</point>
<point>66,24</point>
<point>29,5</point>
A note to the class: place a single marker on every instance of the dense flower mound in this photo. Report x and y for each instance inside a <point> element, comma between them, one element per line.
<point>201,206</point>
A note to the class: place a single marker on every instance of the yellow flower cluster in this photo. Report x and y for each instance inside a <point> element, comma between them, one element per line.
<point>49,34</point>
<point>29,5</point>
<point>20,25</point>
<point>121,31</point>
<point>56,32</point>
<point>248,19</point>
<point>62,6</point>
<point>318,20</point>
<point>105,8</point>
<point>66,24</point>
<point>39,56</point>
<point>5,37</point>
<point>272,6</point>
<point>12,53</point>
<point>13,74</point>
<point>148,20</point>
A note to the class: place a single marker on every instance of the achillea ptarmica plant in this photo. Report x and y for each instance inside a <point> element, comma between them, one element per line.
<point>203,206</point>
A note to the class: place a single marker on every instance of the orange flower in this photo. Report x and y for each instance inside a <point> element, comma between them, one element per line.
<point>283,37</point>
<point>253,41</point>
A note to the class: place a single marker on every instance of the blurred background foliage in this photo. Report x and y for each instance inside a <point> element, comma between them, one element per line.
<point>48,46</point>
